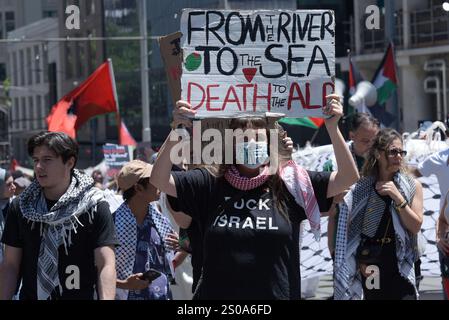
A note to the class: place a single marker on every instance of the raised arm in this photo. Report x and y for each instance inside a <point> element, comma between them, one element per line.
<point>347,173</point>
<point>160,175</point>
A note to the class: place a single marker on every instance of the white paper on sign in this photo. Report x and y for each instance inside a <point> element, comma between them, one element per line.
<point>237,63</point>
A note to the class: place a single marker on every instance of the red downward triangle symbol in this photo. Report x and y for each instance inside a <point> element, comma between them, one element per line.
<point>249,73</point>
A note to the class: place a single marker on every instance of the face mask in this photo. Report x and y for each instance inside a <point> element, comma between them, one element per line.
<point>252,154</point>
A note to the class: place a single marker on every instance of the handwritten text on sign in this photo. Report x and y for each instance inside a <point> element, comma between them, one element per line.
<point>238,62</point>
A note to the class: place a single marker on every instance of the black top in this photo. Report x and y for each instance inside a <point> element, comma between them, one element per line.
<point>392,286</point>
<point>80,260</point>
<point>196,245</point>
<point>251,251</point>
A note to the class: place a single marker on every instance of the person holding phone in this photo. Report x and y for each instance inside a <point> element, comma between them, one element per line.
<point>143,262</point>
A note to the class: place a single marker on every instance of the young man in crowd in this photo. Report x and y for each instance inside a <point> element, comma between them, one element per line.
<point>59,233</point>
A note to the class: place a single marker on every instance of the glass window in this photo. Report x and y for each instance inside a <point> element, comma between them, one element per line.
<point>45,62</point>
<point>29,67</point>
<point>42,114</point>
<point>90,7</point>
<point>69,62</point>
<point>10,23</point>
<point>1,26</point>
<point>15,118</point>
<point>81,58</point>
<point>22,67</point>
<point>92,52</point>
<point>15,79</point>
<point>30,124</point>
<point>2,72</point>
<point>49,13</point>
<point>37,65</point>
<point>22,115</point>
<point>47,105</point>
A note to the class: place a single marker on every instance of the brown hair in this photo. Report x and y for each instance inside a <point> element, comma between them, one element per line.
<point>383,140</point>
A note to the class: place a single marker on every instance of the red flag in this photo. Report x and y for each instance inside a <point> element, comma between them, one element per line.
<point>95,96</point>
<point>126,138</point>
<point>14,165</point>
<point>60,120</point>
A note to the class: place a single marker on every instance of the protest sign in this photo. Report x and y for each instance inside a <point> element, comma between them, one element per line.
<point>172,56</point>
<point>116,157</point>
<point>253,62</point>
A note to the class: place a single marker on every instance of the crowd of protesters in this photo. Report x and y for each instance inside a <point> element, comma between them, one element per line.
<point>63,238</point>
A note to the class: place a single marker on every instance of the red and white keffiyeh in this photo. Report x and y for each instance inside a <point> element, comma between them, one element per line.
<point>297,181</point>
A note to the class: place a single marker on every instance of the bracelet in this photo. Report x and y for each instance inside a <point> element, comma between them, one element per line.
<point>402,205</point>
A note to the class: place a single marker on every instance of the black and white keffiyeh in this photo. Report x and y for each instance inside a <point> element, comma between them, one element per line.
<point>57,224</point>
<point>353,221</point>
<point>126,227</point>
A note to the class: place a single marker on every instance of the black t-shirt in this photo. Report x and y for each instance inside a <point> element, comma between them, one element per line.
<point>250,250</point>
<point>79,260</point>
<point>196,243</point>
<point>392,286</point>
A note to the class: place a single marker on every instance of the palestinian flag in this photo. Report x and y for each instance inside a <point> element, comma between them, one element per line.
<point>309,122</point>
<point>385,79</point>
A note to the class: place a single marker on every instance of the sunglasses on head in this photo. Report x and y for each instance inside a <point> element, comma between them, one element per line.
<point>394,152</point>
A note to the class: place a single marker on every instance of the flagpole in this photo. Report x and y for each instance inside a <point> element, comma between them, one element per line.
<point>389,38</point>
<point>117,115</point>
<point>146,128</point>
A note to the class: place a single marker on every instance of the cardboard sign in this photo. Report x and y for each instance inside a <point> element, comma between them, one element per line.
<point>253,62</point>
<point>116,157</point>
<point>172,57</point>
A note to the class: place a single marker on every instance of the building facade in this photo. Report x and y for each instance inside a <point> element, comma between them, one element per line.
<point>422,50</point>
<point>18,13</point>
<point>78,60</point>
<point>30,70</point>
<point>13,15</point>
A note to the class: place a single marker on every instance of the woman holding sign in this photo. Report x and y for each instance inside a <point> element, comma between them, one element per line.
<point>250,214</point>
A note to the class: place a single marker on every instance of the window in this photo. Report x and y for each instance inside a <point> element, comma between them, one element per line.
<point>15,79</point>
<point>47,105</point>
<point>41,112</point>
<point>81,58</point>
<point>92,52</point>
<point>29,67</point>
<point>90,7</point>
<point>45,62</point>
<point>22,115</point>
<point>2,36</point>
<point>30,124</point>
<point>9,21</point>
<point>2,72</point>
<point>22,67</point>
<point>15,119</point>
<point>69,62</point>
<point>49,13</point>
<point>37,66</point>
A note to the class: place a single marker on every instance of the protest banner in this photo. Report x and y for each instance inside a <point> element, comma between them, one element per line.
<point>116,157</point>
<point>253,62</point>
<point>172,56</point>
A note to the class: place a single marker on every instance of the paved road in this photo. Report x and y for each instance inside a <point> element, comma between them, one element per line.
<point>430,289</point>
